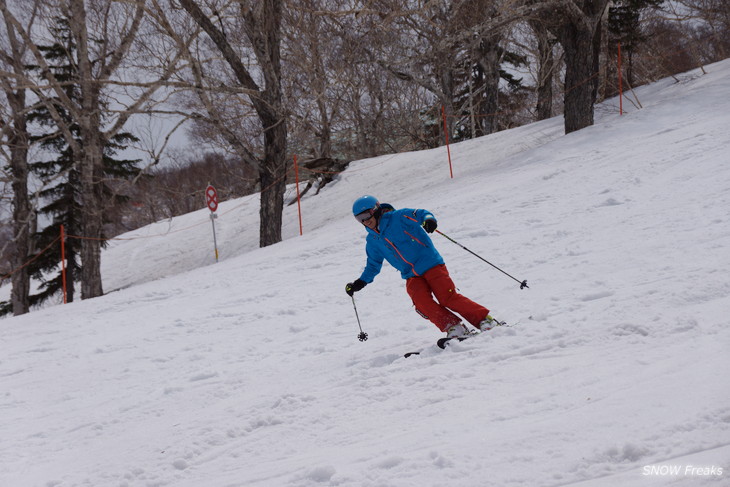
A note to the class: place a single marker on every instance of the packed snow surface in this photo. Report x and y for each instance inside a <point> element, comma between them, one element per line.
<point>248,372</point>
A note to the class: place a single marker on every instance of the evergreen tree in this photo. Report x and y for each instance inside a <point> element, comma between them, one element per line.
<point>62,198</point>
<point>487,111</point>
<point>624,26</point>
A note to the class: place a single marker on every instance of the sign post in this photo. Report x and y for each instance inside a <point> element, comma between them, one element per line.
<point>211,201</point>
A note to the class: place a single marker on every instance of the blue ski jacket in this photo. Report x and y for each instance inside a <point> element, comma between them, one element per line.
<point>402,241</point>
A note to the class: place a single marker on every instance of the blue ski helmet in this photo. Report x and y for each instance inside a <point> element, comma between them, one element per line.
<point>365,203</point>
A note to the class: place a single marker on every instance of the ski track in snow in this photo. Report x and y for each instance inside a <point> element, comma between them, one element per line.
<point>249,372</point>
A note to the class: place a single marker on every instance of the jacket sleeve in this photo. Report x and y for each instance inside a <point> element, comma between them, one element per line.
<point>374,262</point>
<point>419,216</point>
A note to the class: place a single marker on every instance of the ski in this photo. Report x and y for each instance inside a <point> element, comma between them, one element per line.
<point>442,342</point>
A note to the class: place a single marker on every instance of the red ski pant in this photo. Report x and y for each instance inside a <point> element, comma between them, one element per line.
<point>436,282</point>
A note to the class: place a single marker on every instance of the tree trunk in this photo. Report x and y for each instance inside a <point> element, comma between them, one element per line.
<point>324,134</point>
<point>446,87</point>
<point>579,74</point>
<point>18,139</point>
<point>546,68</point>
<point>273,184</point>
<point>22,211</point>
<point>489,62</point>
<point>262,25</point>
<point>576,31</point>
<point>91,168</point>
<point>91,209</point>
<point>596,81</point>
<point>71,273</point>
<point>264,31</point>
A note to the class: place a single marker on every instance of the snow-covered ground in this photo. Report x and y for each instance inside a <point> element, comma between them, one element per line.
<point>248,372</point>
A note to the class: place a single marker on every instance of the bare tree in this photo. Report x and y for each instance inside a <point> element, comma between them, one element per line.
<point>575,23</point>
<point>15,136</point>
<point>337,94</point>
<point>713,35</point>
<point>314,89</point>
<point>408,43</point>
<point>546,67</point>
<point>103,33</point>
<point>259,23</point>
<point>485,56</point>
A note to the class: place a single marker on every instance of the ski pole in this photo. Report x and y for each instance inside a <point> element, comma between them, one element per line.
<point>362,336</point>
<point>523,284</point>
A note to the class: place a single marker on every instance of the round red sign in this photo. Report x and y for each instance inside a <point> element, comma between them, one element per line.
<point>211,198</point>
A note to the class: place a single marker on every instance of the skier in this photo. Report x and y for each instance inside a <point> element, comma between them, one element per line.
<point>401,238</point>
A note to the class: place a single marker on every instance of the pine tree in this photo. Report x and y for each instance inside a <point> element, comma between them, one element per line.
<point>472,82</point>
<point>62,198</point>
<point>624,26</point>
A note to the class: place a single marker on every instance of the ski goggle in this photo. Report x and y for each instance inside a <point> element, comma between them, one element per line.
<point>364,216</point>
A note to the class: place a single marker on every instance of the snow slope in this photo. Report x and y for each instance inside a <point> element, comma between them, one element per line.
<point>248,372</point>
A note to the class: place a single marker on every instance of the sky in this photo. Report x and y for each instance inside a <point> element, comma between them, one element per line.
<point>249,372</point>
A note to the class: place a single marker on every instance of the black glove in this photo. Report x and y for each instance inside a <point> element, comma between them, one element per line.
<point>353,287</point>
<point>430,225</point>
